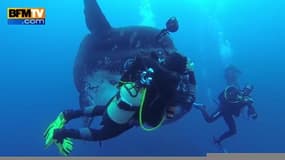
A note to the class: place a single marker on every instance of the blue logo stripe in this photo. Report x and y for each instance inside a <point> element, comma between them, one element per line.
<point>26,21</point>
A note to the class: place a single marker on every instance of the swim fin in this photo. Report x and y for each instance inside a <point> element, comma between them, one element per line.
<point>65,147</point>
<point>221,148</point>
<point>58,123</point>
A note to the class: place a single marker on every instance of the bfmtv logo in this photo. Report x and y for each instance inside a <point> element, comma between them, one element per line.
<point>26,16</point>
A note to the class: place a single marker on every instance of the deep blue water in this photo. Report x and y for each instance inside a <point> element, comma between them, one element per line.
<point>36,65</point>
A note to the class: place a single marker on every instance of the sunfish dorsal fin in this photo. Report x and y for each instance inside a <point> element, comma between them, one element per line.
<point>95,19</point>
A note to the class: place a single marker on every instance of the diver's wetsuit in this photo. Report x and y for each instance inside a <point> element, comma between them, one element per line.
<point>227,109</point>
<point>119,115</point>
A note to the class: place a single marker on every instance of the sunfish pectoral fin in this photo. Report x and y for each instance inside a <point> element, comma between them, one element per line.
<point>95,19</point>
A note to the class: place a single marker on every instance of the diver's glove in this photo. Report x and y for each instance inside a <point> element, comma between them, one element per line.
<point>170,112</point>
<point>58,123</point>
<point>251,113</point>
<point>190,65</point>
<point>254,116</point>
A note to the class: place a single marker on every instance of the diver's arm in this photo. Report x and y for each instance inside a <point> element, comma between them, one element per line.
<point>191,81</point>
<point>95,19</point>
<point>142,63</point>
<point>192,87</point>
<point>251,111</point>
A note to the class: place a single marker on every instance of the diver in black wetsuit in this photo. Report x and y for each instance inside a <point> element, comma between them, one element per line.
<point>146,91</point>
<point>231,102</point>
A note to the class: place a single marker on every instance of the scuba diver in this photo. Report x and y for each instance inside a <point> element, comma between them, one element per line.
<point>231,75</point>
<point>147,93</point>
<point>231,101</point>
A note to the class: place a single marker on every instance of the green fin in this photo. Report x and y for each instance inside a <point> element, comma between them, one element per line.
<point>58,123</point>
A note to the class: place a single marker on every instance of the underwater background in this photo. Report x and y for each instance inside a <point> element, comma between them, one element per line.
<point>36,74</point>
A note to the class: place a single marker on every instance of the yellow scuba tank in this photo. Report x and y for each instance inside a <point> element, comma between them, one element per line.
<point>125,104</point>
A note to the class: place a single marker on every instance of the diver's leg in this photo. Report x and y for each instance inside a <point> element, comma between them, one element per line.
<point>88,112</point>
<point>122,108</point>
<point>214,116</point>
<point>109,130</point>
<point>232,128</point>
<point>208,118</point>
